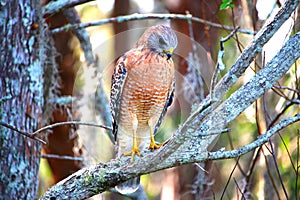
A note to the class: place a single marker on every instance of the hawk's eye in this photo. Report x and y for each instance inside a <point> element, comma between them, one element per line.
<point>161,41</point>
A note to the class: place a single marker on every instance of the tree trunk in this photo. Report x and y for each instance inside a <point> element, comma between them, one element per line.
<point>21,96</point>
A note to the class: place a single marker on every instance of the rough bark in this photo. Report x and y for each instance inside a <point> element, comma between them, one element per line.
<point>21,96</point>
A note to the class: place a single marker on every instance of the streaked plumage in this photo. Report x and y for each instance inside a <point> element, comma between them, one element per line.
<point>142,89</point>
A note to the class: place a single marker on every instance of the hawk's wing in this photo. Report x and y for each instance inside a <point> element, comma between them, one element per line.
<point>167,104</point>
<point>118,79</point>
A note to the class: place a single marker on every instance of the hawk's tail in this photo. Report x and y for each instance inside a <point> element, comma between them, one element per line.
<point>129,186</point>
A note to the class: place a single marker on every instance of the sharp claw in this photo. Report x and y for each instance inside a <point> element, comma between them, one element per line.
<point>135,149</point>
<point>154,146</point>
<point>132,153</point>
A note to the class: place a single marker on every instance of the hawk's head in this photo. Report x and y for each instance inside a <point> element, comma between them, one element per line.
<point>159,38</point>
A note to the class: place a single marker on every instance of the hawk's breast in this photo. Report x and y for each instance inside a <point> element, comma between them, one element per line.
<point>148,84</point>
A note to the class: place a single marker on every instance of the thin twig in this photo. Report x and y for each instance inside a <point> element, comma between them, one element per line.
<point>232,147</point>
<point>231,173</point>
<point>70,123</point>
<point>287,88</point>
<point>137,16</point>
<point>265,111</point>
<point>22,132</point>
<point>260,141</point>
<point>55,156</point>
<point>287,150</point>
<point>251,168</point>
<point>269,172</point>
<point>239,44</point>
<point>280,92</point>
<point>223,40</point>
<point>277,169</point>
<point>240,190</point>
<point>289,104</point>
<point>200,167</point>
<point>220,66</point>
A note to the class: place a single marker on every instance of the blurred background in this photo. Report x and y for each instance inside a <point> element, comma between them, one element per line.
<point>267,173</point>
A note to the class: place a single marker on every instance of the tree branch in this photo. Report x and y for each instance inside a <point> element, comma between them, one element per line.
<point>22,132</point>
<point>186,146</point>
<point>55,156</point>
<point>248,55</point>
<point>56,6</point>
<point>264,138</point>
<point>69,123</point>
<point>137,16</point>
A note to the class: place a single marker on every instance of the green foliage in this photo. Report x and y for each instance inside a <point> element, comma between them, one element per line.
<point>226,4</point>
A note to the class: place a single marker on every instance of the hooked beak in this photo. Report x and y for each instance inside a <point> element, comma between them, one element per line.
<point>169,53</point>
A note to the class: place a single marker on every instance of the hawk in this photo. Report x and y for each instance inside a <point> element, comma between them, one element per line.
<point>142,89</point>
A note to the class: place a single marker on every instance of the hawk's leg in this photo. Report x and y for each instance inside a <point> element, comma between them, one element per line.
<point>135,149</point>
<point>152,145</point>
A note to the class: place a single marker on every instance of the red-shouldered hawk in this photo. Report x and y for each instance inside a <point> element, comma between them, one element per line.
<point>142,89</point>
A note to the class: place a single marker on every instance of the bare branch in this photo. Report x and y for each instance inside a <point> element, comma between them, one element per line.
<point>54,156</point>
<point>136,16</point>
<point>264,138</point>
<point>22,132</point>
<point>220,66</point>
<point>70,123</point>
<point>62,100</point>
<point>277,169</point>
<point>56,6</point>
<point>240,190</point>
<point>228,180</point>
<point>287,88</point>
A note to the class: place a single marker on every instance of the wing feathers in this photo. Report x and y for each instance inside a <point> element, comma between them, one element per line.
<point>167,104</point>
<point>118,79</point>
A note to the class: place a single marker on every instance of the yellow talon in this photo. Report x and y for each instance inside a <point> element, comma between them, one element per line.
<point>153,145</point>
<point>132,153</point>
<point>135,149</point>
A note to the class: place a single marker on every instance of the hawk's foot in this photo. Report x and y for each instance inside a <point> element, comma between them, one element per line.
<point>153,145</point>
<point>134,150</point>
